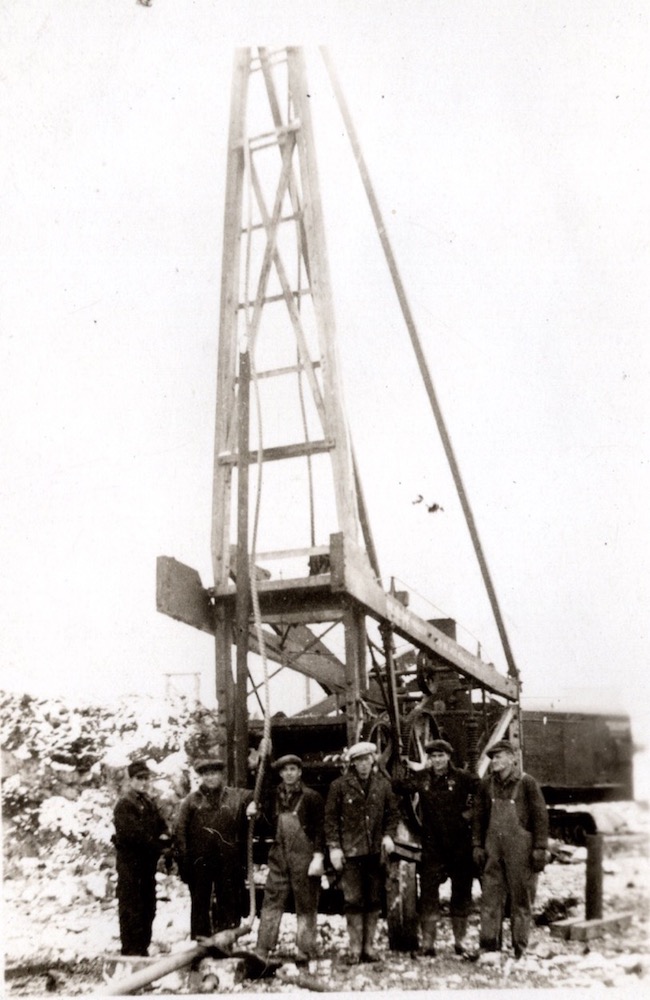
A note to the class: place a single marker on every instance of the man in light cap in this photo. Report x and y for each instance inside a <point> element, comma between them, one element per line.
<point>140,837</point>
<point>361,819</point>
<point>294,817</point>
<point>510,836</point>
<point>445,800</point>
<point>210,839</point>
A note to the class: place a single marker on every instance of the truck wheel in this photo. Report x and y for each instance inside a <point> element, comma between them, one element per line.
<point>401,906</point>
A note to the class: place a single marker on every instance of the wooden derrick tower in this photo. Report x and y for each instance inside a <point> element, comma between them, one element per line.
<point>293,556</point>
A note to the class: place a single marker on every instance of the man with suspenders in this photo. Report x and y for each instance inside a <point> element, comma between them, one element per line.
<point>510,838</point>
<point>295,860</point>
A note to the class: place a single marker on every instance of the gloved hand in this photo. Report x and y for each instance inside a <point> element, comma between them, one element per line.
<point>387,845</point>
<point>251,809</point>
<point>337,857</point>
<point>479,857</point>
<point>538,860</point>
<point>316,866</point>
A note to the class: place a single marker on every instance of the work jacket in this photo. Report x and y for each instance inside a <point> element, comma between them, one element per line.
<point>358,814</point>
<point>211,827</point>
<point>529,806</point>
<point>445,806</point>
<point>139,826</point>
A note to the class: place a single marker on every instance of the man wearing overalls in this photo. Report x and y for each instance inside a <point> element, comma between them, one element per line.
<point>510,838</point>
<point>295,860</point>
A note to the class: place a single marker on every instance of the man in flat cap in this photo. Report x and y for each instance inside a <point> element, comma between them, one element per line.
<point>510,836</point>
<point>445,795</point>
<point>294,817</point>
<point>361,817</point>
<point>210,841</point>
<point>140,836</point>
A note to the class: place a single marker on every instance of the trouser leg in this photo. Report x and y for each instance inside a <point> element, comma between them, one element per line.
<point>494,891</point>
<point>229,895</point>
<point>269,929</point>
<point>355,936</point>
<point>306,927</point>
<point>370,921</point>
<point>200,893</point>
<point>431,877</point>
<point>518,874</point>
<point>306,891</point>
<point>276,892</point>
<point>136,907</point>
<point>461,902</point>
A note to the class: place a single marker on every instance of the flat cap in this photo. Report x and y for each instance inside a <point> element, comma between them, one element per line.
<point>361,750</point>
<point>205,764</point>
<point>139,769</point>
<point>289,758</point>
<point>434,745</point>
<point>502,745</point>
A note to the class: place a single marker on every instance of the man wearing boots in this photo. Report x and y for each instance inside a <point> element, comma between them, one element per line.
<point>140,837</point>
<point>210,841</point>
<point>361,818</point>
<point>445,800</point>
<point>295,816</point>
<point>510,835</point>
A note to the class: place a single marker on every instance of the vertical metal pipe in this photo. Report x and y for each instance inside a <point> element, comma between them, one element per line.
<point>594,886</point>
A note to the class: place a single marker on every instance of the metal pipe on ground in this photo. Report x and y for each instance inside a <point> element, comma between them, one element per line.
<point>223,940</point>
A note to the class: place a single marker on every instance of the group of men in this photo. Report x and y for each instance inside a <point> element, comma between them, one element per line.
<point>495,829</point>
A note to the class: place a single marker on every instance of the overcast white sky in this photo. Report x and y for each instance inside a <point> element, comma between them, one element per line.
<point>508,146</point>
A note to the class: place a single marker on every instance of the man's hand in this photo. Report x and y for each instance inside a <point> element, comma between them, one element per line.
<point>251,809</point>
<point>387,845</point>
<point>337,857</point>
<point>538,861</point>
<point>316,866</point>
<point>479,857</point>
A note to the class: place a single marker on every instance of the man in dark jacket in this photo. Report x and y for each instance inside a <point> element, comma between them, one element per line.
<point>140,832</point>
<point>295,817</point>
<point>445,800</point>
<point>210,842</point>
<point>510,836</point>
<point>361,817</point>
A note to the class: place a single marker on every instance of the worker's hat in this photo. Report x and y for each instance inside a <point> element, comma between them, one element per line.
<point>206,764</point>
<point>289,758</point>
<point>502,745</point>
<point>362,749</point>
<point>442,745</point>
<point>139,769</point>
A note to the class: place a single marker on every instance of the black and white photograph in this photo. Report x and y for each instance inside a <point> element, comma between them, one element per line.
<point>324,376</point>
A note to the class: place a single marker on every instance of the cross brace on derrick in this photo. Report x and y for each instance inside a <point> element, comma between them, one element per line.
<point>277,362</point>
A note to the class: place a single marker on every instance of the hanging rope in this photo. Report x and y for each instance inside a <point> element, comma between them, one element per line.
<point>259,632</point>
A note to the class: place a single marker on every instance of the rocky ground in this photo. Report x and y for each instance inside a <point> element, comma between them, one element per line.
<point>62,769</point>
<point>60,935</point>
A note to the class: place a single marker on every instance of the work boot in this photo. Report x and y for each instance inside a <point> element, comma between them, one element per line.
<point>355,935</point>
<point>368,952</point>
<point>429,924</point>
<point>459,927</point>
